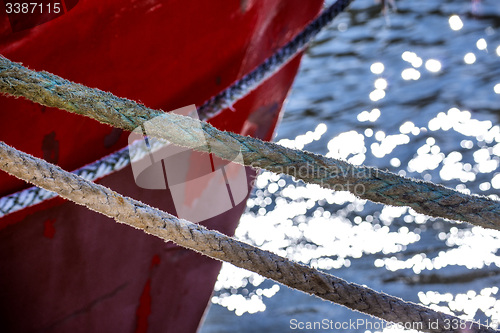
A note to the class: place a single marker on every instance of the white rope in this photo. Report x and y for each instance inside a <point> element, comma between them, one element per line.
<point>120,159</point>
<point>101,168</point>
<point>218,246</point>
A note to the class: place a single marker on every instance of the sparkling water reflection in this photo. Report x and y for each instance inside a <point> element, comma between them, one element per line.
<point>417,92</point>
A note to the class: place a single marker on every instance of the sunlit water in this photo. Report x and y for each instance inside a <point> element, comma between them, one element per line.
<point>417,92</point>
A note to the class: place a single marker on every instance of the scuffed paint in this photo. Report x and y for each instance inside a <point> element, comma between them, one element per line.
<point>144,308</point>
<point>48,228</point>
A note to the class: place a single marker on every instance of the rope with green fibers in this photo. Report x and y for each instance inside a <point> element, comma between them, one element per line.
<point>218,246</point>
<point>111,163</point>
<point>365,182</point>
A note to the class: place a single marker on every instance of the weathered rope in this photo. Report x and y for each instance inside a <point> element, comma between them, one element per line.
<point>218,246</point>
<point>103,167</point>
<point>365,182</point>
<point>118,160</point>
<point>265,70</point>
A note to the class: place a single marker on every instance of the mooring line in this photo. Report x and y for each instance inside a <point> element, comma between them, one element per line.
<point>103,167</point>
<point>218,246</point>
<point>365,182</point>
<point>119,159</point>
<point>252,80</point>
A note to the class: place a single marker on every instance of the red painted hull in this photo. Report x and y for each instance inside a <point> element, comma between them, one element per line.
<point>64,268</point>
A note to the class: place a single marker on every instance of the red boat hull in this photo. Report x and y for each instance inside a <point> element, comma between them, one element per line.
<point>67,269</point>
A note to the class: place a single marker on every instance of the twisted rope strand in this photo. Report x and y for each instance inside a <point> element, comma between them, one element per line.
<point>118,160</point>
<point>274,63</point>
<point>365,182</point>
<point>103,167</point>
<point>218,246</point>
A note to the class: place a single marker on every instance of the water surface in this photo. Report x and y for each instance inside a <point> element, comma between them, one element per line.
<point>415,91</point>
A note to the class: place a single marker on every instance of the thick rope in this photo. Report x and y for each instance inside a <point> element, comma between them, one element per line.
<point>218,246</point>
<point>28,197</point>
<point>365,182</point>
<point>274,63</point>
<point>118,160</point>
<point>103,167</point>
